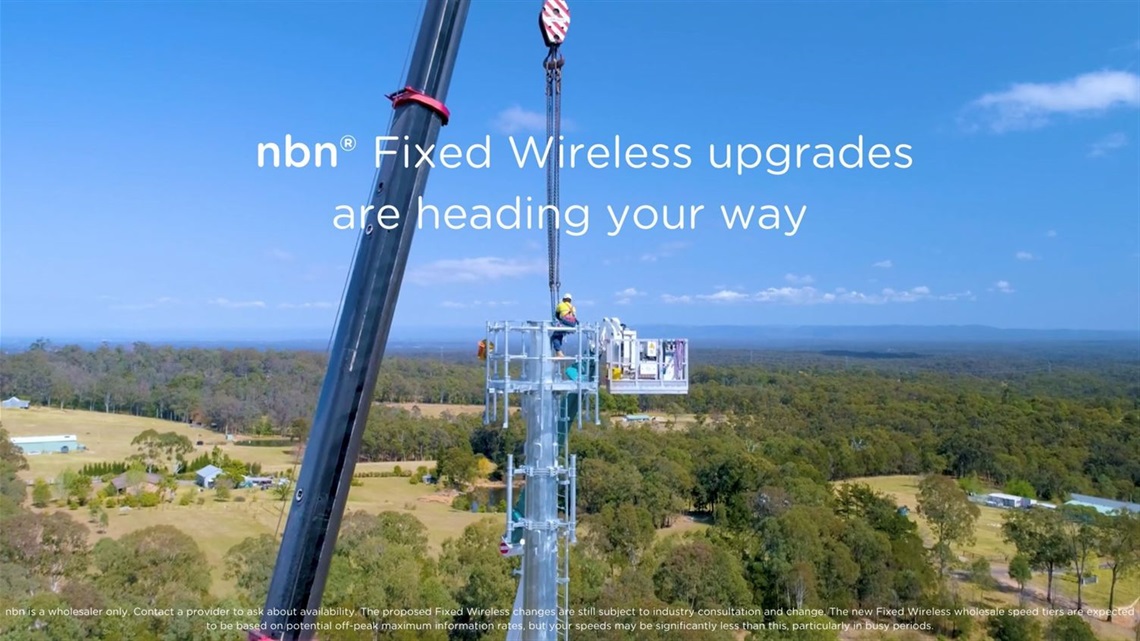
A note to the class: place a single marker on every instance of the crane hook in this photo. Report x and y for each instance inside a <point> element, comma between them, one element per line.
<point>554,20</point>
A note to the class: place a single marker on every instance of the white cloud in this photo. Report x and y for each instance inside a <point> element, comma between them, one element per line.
<point>515,119</point>
<point>799,280</point>
<point>474,270</point>
<point>477,304</point>
<point>666,250</point>
<point>884,264</point>
<point>1030,105</point>
<point>811,296</point>
<point>1002,286</point>
<point>225,302</point>
<point>318,305</point>
<point>625,296</point>
<point>1108,143</point>
<point>279,254</point>
<point>161,301</point>
<point>724,296</point>
<point>1024,255</point>
<point>1052,233</point>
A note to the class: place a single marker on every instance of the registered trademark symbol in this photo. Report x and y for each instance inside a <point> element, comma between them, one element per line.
<point>347,143</point>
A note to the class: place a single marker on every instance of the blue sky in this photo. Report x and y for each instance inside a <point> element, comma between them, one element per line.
<point>132,202</point>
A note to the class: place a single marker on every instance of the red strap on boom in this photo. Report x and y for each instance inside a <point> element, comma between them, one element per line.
<point>409,94</point>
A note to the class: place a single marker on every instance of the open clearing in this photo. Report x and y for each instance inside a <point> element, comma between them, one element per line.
<point>660,420</point>
<point>218,526</point>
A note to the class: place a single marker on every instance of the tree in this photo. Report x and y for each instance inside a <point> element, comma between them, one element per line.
<point>478,579</point>
<point>622,534</point>
<point>980,572</point>
<point>1011,627</point>
<point>250,565</point>
<point>1080,525</point>
<point>458,465</point>
<point>173,447</point>
<point>134,477</point>
<point>1069,627</point>
<point>53,546</point>
<point>41,493</point>
<point>155,565</point>
<point>1020,571</point>
<point>1119,541</point>
<point>699,574</point>
<point>149,444</point>
<point>949,512</point>
<point>1038,534</point>
<point>1021,488</point>
<point>383,560</point>
<point>222,487</point>
<point>79,487</point>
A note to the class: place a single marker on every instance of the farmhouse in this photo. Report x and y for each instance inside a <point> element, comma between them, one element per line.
<point>998,499</point>
<point>47,444</point>
<point>15,403</point>
<point>1104,506</point>
<point>205,476</point>
<point>150,482</point>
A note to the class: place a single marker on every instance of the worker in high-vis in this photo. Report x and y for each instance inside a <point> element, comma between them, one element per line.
<point>564,314</point>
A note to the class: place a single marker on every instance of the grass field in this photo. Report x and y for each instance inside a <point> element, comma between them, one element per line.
<point>435,410</point>
<point>107,437</point>
<point>218,526</point>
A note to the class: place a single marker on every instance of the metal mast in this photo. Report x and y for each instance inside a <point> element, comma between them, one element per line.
<point>362,333</point>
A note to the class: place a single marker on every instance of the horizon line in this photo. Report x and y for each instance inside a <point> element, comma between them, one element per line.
<point>315,333</point>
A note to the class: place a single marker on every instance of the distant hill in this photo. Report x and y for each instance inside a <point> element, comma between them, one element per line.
<point>820,335</point>
<point>882,338</point>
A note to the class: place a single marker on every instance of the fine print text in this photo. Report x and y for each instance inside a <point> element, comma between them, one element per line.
<point>669,618</point>
<point>522,212</point>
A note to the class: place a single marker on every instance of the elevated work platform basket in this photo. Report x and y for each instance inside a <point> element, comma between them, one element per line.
<point>638,365</point>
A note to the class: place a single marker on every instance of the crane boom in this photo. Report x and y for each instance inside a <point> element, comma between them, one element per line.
<point>310,535</point>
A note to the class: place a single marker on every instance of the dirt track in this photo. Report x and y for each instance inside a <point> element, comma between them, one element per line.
<point>1036,597</point>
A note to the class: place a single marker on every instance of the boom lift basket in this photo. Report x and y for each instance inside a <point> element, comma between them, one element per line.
<point>635,365</point>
